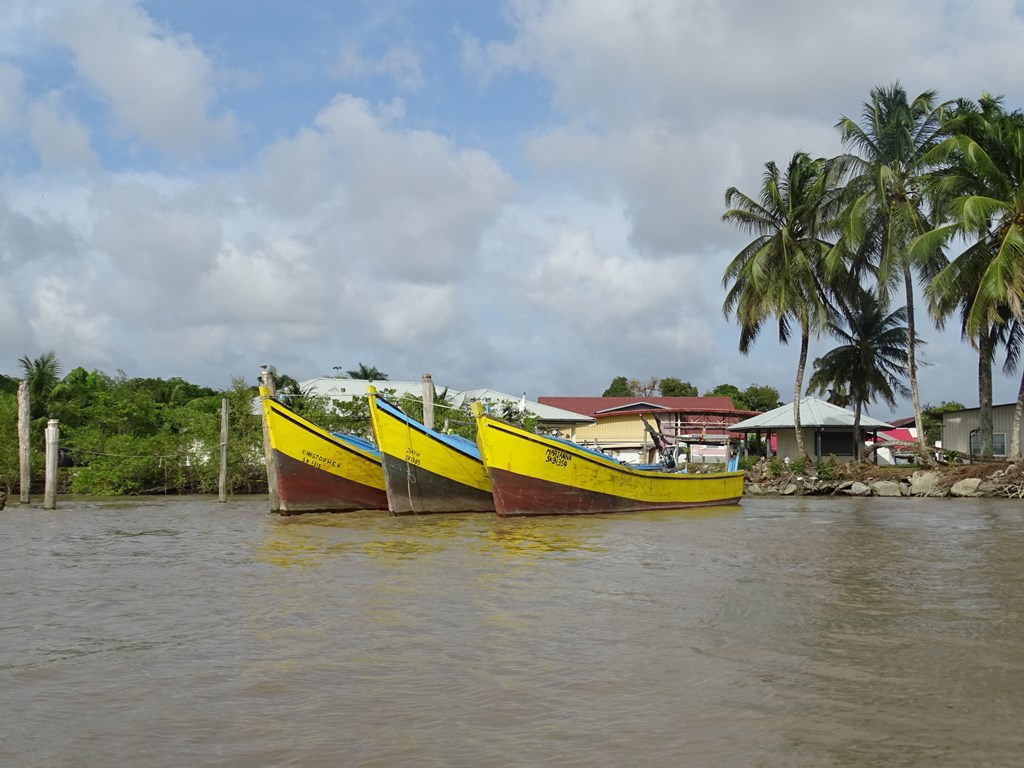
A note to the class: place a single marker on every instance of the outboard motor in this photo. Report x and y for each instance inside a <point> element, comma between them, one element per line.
<point>668,458</point>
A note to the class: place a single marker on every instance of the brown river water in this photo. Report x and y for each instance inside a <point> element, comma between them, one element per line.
<point>785,632</point>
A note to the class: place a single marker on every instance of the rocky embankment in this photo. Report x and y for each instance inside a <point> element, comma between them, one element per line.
<point>995,480</point>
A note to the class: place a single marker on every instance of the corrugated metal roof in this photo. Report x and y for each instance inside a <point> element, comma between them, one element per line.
<point>599,407</point>
<point>898,435</point>
<point>813,413</point>
<point>349,389</point>
<point>546,413</point>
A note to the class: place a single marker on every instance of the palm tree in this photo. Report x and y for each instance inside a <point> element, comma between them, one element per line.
<point>42,375</point>
<point>1014,342</point>
<point>779,273</point>
<point>369,373</point>
<point>982,184</point>
<point>887,209</point>
<point>870,361</point>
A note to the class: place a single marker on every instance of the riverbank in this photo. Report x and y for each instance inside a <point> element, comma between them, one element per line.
<point>984,479</point>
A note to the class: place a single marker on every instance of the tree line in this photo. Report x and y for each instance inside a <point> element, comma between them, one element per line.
<point>753,398</point>
<point>128,436</point>
<point>122,435</point>
<point>927,197</point>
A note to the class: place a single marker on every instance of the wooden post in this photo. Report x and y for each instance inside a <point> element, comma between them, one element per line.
<point>52,454</point>
<point>428,401</point>
<point>24,441</point>
<point>267,380</point>
<point>223,483</point>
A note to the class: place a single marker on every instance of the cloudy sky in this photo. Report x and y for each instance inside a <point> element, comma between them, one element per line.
<point>522,194</point>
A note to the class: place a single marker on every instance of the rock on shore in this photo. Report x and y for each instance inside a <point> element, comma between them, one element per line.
<point>992,479</point>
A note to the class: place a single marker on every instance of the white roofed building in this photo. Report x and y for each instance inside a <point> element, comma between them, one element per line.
<point>827,429</point>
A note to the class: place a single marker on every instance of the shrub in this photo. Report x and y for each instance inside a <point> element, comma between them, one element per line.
<point>827,468</point>
<point>747,462</point>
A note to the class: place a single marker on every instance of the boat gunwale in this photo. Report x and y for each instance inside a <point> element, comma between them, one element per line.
<point>395,413</point>
<point>336,439</point>
<point>590,456</point>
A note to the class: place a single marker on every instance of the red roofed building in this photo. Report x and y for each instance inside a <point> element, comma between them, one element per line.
<point>701,423</point>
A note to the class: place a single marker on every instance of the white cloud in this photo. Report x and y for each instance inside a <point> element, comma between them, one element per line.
<point>61,140</point>
<point>64,317</point>
<point>12,96</point>
<point>410,313</point>
<point>395,201</point>
<point>32,239</point>
<point>158,84</point>
<point>168,241</point>
<point>13,330</point>
<point>22,23</point>
<point>657,308</point>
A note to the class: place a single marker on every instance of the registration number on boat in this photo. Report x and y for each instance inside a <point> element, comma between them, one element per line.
<point>557,457</point>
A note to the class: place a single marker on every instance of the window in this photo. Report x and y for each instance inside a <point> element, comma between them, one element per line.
<point>837,443</point>
<point>998,443</point>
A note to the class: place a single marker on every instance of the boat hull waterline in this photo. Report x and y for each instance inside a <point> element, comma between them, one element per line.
<point>320,471</point>
<point>539,475</point>
<point>425,471</point>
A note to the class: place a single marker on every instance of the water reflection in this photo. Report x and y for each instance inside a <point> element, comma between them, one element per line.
<point>533,537</point>
<point>686,513</point>
<point>312,540</point>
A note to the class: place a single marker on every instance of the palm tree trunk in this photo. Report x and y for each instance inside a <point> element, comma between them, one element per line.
<point>985,347</point>
<point>1018,413</point>
<point>798,388</point>
<point>915,395</point>
<point>858,444</point>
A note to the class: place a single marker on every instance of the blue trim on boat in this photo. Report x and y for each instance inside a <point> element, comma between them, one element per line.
<point>455,442</point>
<point>356,441</point>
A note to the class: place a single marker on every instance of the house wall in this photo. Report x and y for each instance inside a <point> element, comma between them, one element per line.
<point>628,429</point>
<point>786,444</point>
<point>958,425</point>
<point>613,430</point>
<point>625,437</point>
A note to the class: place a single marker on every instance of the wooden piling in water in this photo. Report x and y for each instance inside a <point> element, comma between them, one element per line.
<point>24,442</point>
<point>428,401</point>
<point>52,456</point>
<point>222,484</point>
<point>267,380</point>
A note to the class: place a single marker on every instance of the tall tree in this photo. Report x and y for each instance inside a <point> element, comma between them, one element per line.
<point>759,398</point>
<point>8,384</point>
<point>672,386</point>
<point>779,274</point>
<point>42,375</point>
<point>886,210</point>
<point>727,390</point>
<point>870,361</point>
<point>982,186</point>
<point>1014,342</point>
<point>639,388</point>
<point>368,373</point>
<point>618,388</point>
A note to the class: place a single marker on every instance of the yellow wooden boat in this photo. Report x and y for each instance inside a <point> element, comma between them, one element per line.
<point>540,475</point>
<point>317,470</point>
<point>427,471</point>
